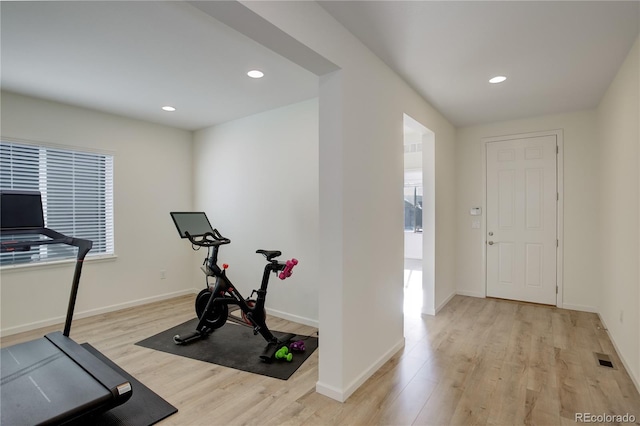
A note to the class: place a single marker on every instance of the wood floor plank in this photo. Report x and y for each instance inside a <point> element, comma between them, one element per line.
<point>510,397</point>
<point>404,409</point>
<point>478,362</point>
<point>571,383</point>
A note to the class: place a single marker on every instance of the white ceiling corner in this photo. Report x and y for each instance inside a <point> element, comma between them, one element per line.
<point>559,56</point>
<point>130,58</point>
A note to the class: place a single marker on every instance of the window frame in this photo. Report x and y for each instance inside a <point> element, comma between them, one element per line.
<point>107,225</point>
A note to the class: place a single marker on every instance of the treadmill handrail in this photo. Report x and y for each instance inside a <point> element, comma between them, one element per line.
<point>56,238</point>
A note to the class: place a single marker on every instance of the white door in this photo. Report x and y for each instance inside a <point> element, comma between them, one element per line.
<point>521,219</point>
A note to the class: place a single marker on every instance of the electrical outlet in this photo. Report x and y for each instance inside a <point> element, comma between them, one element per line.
<point>163,274</point>
<point>621,316</point>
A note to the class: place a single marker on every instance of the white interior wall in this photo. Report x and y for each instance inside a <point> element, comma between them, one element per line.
<point>257,180</point>
<point>581,284</point>
<point>361,170</point>
<point>152,176</point>
<point>618,120</point>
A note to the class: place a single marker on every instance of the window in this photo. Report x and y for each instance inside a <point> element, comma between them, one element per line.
<point>413,208</point>
<point>77,195</point>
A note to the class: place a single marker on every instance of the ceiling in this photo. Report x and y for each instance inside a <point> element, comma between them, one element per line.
<point>132,58</point>
<point>558,56</point>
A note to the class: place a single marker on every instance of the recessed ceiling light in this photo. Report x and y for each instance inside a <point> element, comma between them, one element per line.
<point>255,74</point>
<point>168,108</point>
<point>498,79</point>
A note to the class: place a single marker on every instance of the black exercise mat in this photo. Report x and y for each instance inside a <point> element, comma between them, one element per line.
<point>144,408</point>
<point>232,346</point>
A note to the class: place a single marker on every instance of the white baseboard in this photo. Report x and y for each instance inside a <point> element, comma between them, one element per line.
<point>570,306</point>
<point>580,308</point>
<point>91,312</point>
<point>471,293</point>
<point>444,302</point>
<point>329,391</point>
<point>428,311</point>
<point>372,369</point>
<point>292,317</point>
<point>635,381</point>
<point>342,395</point>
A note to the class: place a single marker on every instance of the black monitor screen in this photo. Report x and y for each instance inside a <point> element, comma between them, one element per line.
<point>195,223</point>
<point>20,210</point>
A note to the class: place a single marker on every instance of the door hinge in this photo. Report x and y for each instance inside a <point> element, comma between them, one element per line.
<point>557,242</point>
<point>557,196</point>
<point>556,289</point>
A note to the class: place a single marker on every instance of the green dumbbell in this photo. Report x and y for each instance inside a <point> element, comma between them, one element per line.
<point>283,353</point>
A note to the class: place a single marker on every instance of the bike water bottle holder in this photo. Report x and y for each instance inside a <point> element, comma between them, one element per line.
<point>207,271</point>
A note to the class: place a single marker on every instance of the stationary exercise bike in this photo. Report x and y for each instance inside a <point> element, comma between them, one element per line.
<point>212,303</point>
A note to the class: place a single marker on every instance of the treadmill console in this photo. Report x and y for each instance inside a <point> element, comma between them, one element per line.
<point>20,210</point>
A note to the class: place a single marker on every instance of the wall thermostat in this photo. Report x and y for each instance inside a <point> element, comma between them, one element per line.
<point>475,211</point>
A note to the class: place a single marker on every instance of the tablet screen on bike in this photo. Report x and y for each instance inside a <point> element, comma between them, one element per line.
<point>195,223</point>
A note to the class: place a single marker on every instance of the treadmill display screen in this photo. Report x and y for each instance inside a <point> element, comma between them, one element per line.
<point>20,210</point>
<point>195,223</point>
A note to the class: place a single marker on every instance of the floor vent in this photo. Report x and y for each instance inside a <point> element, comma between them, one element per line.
<point>604,360</point>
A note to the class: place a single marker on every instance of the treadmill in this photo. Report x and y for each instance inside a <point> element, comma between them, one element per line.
<point>51,380</point>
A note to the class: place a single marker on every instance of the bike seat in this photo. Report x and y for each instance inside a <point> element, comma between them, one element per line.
<point>269,254</point>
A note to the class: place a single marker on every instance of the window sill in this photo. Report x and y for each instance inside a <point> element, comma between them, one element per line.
<point>56,263</point>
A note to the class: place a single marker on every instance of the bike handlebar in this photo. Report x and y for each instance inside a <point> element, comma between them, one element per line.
<point>209,239</point>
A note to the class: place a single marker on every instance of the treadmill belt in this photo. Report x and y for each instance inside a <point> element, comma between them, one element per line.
<point>143,409</point>
<point>40,384</point>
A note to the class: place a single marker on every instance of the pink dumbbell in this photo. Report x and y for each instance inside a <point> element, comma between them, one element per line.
<point>287,271</point>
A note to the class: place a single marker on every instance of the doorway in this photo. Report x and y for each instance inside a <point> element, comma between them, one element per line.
<point>522,217</point>
<point>413,230</point>
<point>419,218</point>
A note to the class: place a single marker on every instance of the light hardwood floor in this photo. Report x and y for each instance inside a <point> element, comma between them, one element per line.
<point>478,362</point>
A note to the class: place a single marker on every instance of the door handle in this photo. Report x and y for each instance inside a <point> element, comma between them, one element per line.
<point>490,243</point>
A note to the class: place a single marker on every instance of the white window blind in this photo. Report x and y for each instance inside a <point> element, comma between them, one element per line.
<point>77,195</point>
